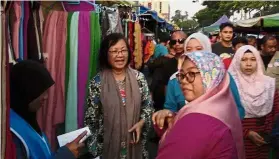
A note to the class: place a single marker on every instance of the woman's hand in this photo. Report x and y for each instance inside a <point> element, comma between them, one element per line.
<point>161,116</point>
<point>75,146</point>
<point>256,138</point>
<point>137,128</point>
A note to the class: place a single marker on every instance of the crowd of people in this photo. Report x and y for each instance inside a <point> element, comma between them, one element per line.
<point>201,100</point>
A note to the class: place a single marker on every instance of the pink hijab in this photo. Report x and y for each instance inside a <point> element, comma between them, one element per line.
<point>217,100</point>
<point>256,91</point>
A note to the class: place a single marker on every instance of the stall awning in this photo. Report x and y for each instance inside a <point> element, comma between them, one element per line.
<point>215,26</point>
<point>268,21</point>
<point>152,13</point>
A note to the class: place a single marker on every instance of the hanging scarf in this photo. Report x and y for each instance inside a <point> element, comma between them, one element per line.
<point>217,101</point>
<point>83,61</point>
<point>256,91</point>
<point>72,101</point>
<point>118,119</point>
<point>138,46</point>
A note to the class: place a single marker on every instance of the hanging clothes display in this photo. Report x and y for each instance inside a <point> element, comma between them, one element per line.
<point>21,49</point>
<point>7,146</point>
<point>95,40</point>
<point>138,56</point>
<point>83,61</point>
<point>131,42</point>
<point>111,22</point>
<point>81,6</point>
<point>53,111</point>
<point>71,122</point>
<point>148,50</point>
<point>34,45</point>
<point>2,90</point>
<point>25,25</point>
<point>16,26</point>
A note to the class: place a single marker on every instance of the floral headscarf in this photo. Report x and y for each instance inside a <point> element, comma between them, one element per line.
<point>211,67</point>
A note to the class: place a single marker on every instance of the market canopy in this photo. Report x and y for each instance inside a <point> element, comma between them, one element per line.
<point>268,21</point>
<point>152,13</point>
<point>215,26</point>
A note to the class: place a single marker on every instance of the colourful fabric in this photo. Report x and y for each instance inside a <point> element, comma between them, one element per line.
<point>35,145</point>
<point>8,148</point>
<point>95,32</point>
<point>16,27</point>
<point>83,61</point>
<point>149,51</point>
<point>53,111</point>
<point>206,137</point>
<point>131,42</point>
<point>82,6</point>
<point>95,40</point>
<point>94,117</point>
<point>217,101</point>
<point>25,28</point>
<point>21,48</point>
<point>68,50</point>
<point>71,121</point>
<point>138,47</point>
<point>256,91</point>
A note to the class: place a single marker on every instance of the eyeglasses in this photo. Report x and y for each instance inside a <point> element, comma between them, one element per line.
<point>189,76</point>
<point>180,41</point>
<point>123,52</point>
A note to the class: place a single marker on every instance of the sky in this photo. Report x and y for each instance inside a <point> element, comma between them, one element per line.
<point>185,5</point>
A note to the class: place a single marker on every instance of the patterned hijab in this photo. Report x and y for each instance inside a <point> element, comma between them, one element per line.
<point>217,100</point>
<point>256,91</point>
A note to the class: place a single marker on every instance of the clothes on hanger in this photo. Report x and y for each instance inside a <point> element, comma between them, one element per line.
<point>54,37</point>
<point>111,22</point>
<point>83,62</point>
<point>71,122</point>
<point>138,47</point>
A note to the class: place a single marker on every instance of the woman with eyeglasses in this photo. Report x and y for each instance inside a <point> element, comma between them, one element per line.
<point>209,126</point>
<point>174,96</point>
<point>119,105</point>
<point>260,100</point>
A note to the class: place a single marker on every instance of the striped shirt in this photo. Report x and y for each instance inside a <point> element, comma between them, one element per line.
<point>259,125</point>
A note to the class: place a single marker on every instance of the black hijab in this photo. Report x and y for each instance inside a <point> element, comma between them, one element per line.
<point>29,79</point>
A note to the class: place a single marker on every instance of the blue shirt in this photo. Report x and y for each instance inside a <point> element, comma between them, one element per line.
<point>175,99</point>
<point>160,50</point>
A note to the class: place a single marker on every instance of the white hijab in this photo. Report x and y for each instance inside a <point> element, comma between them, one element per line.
<point>203,39</point>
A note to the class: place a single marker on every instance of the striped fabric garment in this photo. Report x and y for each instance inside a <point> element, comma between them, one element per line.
<point>263,125</point>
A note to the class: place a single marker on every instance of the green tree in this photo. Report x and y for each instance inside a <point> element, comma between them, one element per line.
<point>182,21</point>
<point>215,9</point>
<point>188,25</point>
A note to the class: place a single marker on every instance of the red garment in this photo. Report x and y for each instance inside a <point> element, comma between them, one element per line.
<point>10,148</point>
<point>227,62</point>
<point>131,42</point>
<point>263,124</point>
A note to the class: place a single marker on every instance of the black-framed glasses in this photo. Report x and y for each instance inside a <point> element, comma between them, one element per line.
<point>180,41</point>
<point>116,52</point>
<point>189,76</point>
